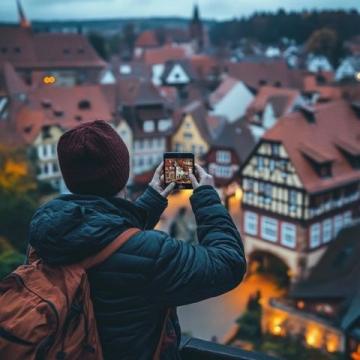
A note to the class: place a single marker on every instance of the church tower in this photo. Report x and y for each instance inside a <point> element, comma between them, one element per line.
<point>196,30</point>
<point>24,23</point>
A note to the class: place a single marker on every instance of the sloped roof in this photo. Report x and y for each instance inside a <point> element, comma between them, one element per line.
<point>147,39</point>
<point>163,54</point>
<point>25,49</point>
<point>281,100</point>
<point>10,82</point>
<point>223,89</point>
<point>61,106</point>
<point>332,120</point>
<point>238,137</point>
<point>256,74</point>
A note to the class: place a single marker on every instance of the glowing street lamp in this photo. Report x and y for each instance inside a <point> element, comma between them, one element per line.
<point>49,80</point>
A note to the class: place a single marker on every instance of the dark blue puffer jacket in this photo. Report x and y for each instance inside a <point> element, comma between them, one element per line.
<point>150,272</point>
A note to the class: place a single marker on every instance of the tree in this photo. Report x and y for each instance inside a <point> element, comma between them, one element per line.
<point>18,196</point>
<point>324,42</point>
<point>98,42</point>
<point>129,38</point>
<point>10,260</point>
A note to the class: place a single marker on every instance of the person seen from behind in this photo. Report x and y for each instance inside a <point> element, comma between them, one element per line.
<point>139,286</point>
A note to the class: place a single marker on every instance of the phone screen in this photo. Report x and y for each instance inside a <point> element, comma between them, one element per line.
<point>178,167</point>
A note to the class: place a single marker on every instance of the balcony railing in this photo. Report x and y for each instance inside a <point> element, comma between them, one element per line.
<point>197,349</point>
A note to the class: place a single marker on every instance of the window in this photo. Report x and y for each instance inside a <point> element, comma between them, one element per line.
<point>53,149</point>
<point>292,200</point>
<point>45,151</point>
<point>149,126</point>
<point>275,149</point>
<point>250,223</point>
<point>269,229</point>
<point>288,235</point>
<point>141,161</point>
<point>178,147</point>
<point>164,124</point>
<point>40,151</point>
<point>188,135</point>
<point>347,218</point>
<point>223,156</point>
<point>338,224</point>
<point>272,165</point>
<point>193,148</point>
<point>314,235</point>
<point>260,163</point>
<point>201,149</point>
<point>55,168</point>
<point>223,171</point>
<point>327,230</point>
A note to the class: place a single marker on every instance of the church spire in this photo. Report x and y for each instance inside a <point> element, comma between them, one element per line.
<point>196,14</point>
<point>24,23</point>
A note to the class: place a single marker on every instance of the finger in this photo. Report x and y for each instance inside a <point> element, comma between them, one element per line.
<point>168,189</point>
<point>159,170</point>
<point>194,181</point>
<point>200,171</point>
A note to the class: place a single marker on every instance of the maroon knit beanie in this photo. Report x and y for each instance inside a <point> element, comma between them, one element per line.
<point>93,159</point>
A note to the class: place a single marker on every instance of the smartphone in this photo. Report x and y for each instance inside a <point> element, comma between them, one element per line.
<point>177,168</point>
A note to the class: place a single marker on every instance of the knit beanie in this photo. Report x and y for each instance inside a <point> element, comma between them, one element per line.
<point>93,159</point>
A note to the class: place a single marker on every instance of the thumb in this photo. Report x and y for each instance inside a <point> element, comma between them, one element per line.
<point>194,181</point>
<point>168,189</point>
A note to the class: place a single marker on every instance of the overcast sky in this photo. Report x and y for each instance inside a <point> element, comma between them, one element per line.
<point>212,9</point>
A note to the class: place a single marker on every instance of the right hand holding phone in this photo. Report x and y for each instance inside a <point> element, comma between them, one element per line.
<point>203,178</point>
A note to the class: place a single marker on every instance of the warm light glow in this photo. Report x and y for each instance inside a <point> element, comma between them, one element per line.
<point>49,80</point>
<point>357,76</point>
<point>300,304</point>
<point>238,194</point>
<point>332,343</point>
<point>356,355</point>
<point>313,336</point>
<point>276,326</point>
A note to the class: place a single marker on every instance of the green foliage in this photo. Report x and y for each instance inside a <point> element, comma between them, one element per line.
<point>250,322</point>
<point>18,196</point>
<point>272,27</point>
<point>9,261</point>
<point>16,211</point>
<point>324,42</point>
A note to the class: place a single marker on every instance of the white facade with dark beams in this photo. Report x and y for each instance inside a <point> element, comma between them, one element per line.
<point>302,185</point>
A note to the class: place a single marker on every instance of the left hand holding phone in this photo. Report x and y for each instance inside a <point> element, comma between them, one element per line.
<point>158,184</point>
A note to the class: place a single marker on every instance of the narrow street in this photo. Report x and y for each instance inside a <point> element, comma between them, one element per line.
<point>216,316</point>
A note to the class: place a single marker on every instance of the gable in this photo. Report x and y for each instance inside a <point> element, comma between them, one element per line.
<point>270,162</point>
<point>177,75</point>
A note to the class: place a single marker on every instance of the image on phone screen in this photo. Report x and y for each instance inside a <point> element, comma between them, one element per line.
<point>177,168</point>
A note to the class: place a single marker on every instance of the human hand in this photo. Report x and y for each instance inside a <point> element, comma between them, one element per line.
<point>203,176</point>
<point>158,184</point>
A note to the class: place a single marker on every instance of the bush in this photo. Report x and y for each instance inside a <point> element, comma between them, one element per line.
<point>9,261</point>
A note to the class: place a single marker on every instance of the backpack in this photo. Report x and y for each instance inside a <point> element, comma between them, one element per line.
<point>47,313</point>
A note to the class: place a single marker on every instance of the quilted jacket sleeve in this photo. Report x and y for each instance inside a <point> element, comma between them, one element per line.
<point>185,273</point>
<point>153,204</point>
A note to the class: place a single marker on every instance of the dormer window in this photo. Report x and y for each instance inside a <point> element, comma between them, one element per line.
<point>46,104</point>
<point>351,150</point>
<point>81,51</point>
<point>320,161</point>
<point>66,51</point>
<point>84,104</point>
<point>308,112</point>
<point>58,112</point>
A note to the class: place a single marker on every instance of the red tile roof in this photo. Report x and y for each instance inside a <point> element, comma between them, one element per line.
<point>61,106</point>
<point>256,74</point>
<point>10,82</point>
<point>281,98</point>
<point>333,120</point>
<point>163,54</point>
<point>147,39</point>
<point>25,49</point>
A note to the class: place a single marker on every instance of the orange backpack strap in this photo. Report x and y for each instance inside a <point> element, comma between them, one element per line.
<point>110,249</point>
<point>157,353</point>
